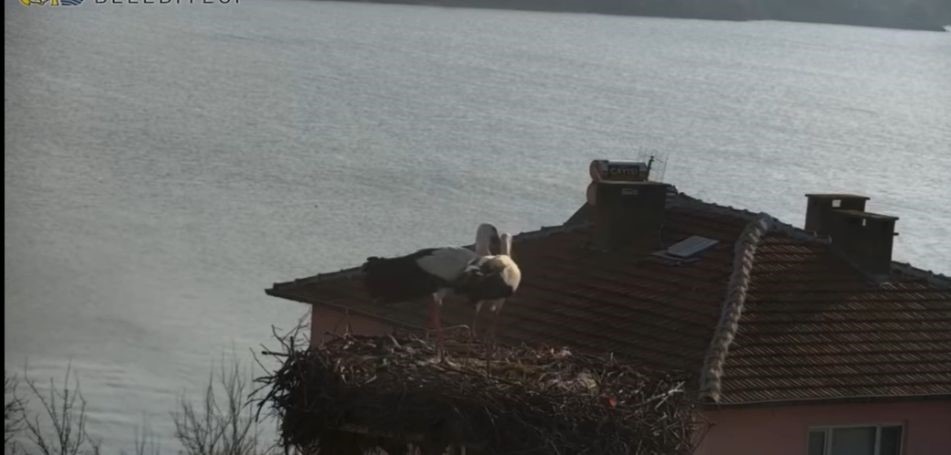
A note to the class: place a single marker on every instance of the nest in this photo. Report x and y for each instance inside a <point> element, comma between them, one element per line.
<point>360,394</point>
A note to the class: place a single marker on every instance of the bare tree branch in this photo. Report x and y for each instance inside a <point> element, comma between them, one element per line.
<point>228,428</point>
<point>65,411</point>
<point>144,442</point>
<point>13,413</point>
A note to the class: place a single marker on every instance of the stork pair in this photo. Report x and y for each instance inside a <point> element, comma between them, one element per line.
<point>485,276</point>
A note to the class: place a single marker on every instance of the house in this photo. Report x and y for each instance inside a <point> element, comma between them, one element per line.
<point>799,341</point>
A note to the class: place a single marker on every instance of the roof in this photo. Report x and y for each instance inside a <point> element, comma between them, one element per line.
<point>770,314</point>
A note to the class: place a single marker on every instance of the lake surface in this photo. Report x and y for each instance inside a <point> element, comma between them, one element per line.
<point>164,165</point>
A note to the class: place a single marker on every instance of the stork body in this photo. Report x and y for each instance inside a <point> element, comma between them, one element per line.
<point>490,280</point>
<point>439,272</point>
<point>416,275</point>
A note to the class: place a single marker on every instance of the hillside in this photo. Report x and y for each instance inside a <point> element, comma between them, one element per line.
<point>904,14</point>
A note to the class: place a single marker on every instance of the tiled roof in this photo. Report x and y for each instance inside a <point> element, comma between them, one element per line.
<point>812,327</point>
<point>815,328</point>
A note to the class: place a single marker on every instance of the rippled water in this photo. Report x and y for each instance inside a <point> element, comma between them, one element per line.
<point>166,164</point>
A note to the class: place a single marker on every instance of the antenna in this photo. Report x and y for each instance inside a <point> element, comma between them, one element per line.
<point>656,163</point>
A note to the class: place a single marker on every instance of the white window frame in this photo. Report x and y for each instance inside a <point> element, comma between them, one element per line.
<point>827,430</point>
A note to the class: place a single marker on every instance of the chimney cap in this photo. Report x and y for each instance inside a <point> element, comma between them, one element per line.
<point>630,183</point>
<point>866,215</point>
<point>836,196</point>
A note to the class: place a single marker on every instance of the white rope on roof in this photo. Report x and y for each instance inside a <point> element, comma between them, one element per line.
<point>744,254</point>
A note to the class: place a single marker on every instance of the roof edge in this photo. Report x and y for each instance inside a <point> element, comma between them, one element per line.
<point>744,256</point>
<point>351,272</point>
<point>860,399</point>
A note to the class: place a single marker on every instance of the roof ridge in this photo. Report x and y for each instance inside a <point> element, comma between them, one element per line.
<point>683,199</point>
<point>744,255</point>
<point>933,278</point>
<point>546,231</point>
<point>777,225</point>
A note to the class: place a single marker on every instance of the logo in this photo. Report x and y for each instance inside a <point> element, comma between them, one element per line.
<point>51,2</point>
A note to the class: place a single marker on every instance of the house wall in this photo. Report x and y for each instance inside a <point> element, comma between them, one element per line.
<point>783,430</point>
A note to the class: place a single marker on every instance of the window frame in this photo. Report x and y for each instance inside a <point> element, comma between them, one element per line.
<point>828,429</point>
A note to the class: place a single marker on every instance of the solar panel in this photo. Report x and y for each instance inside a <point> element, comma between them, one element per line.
<point>691,246</point>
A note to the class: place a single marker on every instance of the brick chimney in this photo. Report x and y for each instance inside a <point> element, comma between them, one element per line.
<point>820,207</point>
<point>628,211</point>
<point>864,239</point>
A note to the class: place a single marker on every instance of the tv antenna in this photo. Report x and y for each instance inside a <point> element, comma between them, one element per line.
<point>656,163</point>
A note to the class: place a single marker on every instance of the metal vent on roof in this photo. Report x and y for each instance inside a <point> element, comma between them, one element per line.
<point>691,246</point>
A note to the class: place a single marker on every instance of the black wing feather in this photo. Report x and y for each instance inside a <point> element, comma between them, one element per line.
<point>399,279</point>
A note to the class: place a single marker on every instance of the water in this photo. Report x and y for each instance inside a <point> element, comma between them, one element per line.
<point>166,164</point>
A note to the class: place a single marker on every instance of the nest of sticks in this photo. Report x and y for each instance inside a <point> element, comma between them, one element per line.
<point>360,394</point>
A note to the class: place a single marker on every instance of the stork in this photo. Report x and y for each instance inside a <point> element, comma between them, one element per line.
<point>490,280</point>
<point>432,271</point>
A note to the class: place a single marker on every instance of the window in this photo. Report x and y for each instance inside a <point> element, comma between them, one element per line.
<point>855,440</point>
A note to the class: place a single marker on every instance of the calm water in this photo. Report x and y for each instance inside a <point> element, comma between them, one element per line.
<point>166,164</point>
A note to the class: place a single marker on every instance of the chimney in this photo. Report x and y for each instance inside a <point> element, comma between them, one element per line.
<point>628,211</point>
<point>820,207</point>
<point>864,239</point>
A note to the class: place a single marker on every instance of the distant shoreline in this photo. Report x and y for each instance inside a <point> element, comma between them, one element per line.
<point>723,10</point>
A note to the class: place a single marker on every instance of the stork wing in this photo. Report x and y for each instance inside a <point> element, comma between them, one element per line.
<point>447,263</point>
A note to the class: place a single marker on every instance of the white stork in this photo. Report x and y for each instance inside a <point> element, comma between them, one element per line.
<point>438,272</point>
<point>490,280</point>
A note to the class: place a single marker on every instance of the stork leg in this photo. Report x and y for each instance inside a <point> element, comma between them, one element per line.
<point>495,309</point>
<point>435,319</point>
<point>473,332</point>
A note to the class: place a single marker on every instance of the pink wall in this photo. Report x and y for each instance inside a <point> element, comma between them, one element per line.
<point>778,430</point>
<point>325,319</point>
<point>783,430</point>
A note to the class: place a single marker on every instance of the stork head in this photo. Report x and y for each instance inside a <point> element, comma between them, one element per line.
<point>487,240</point>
